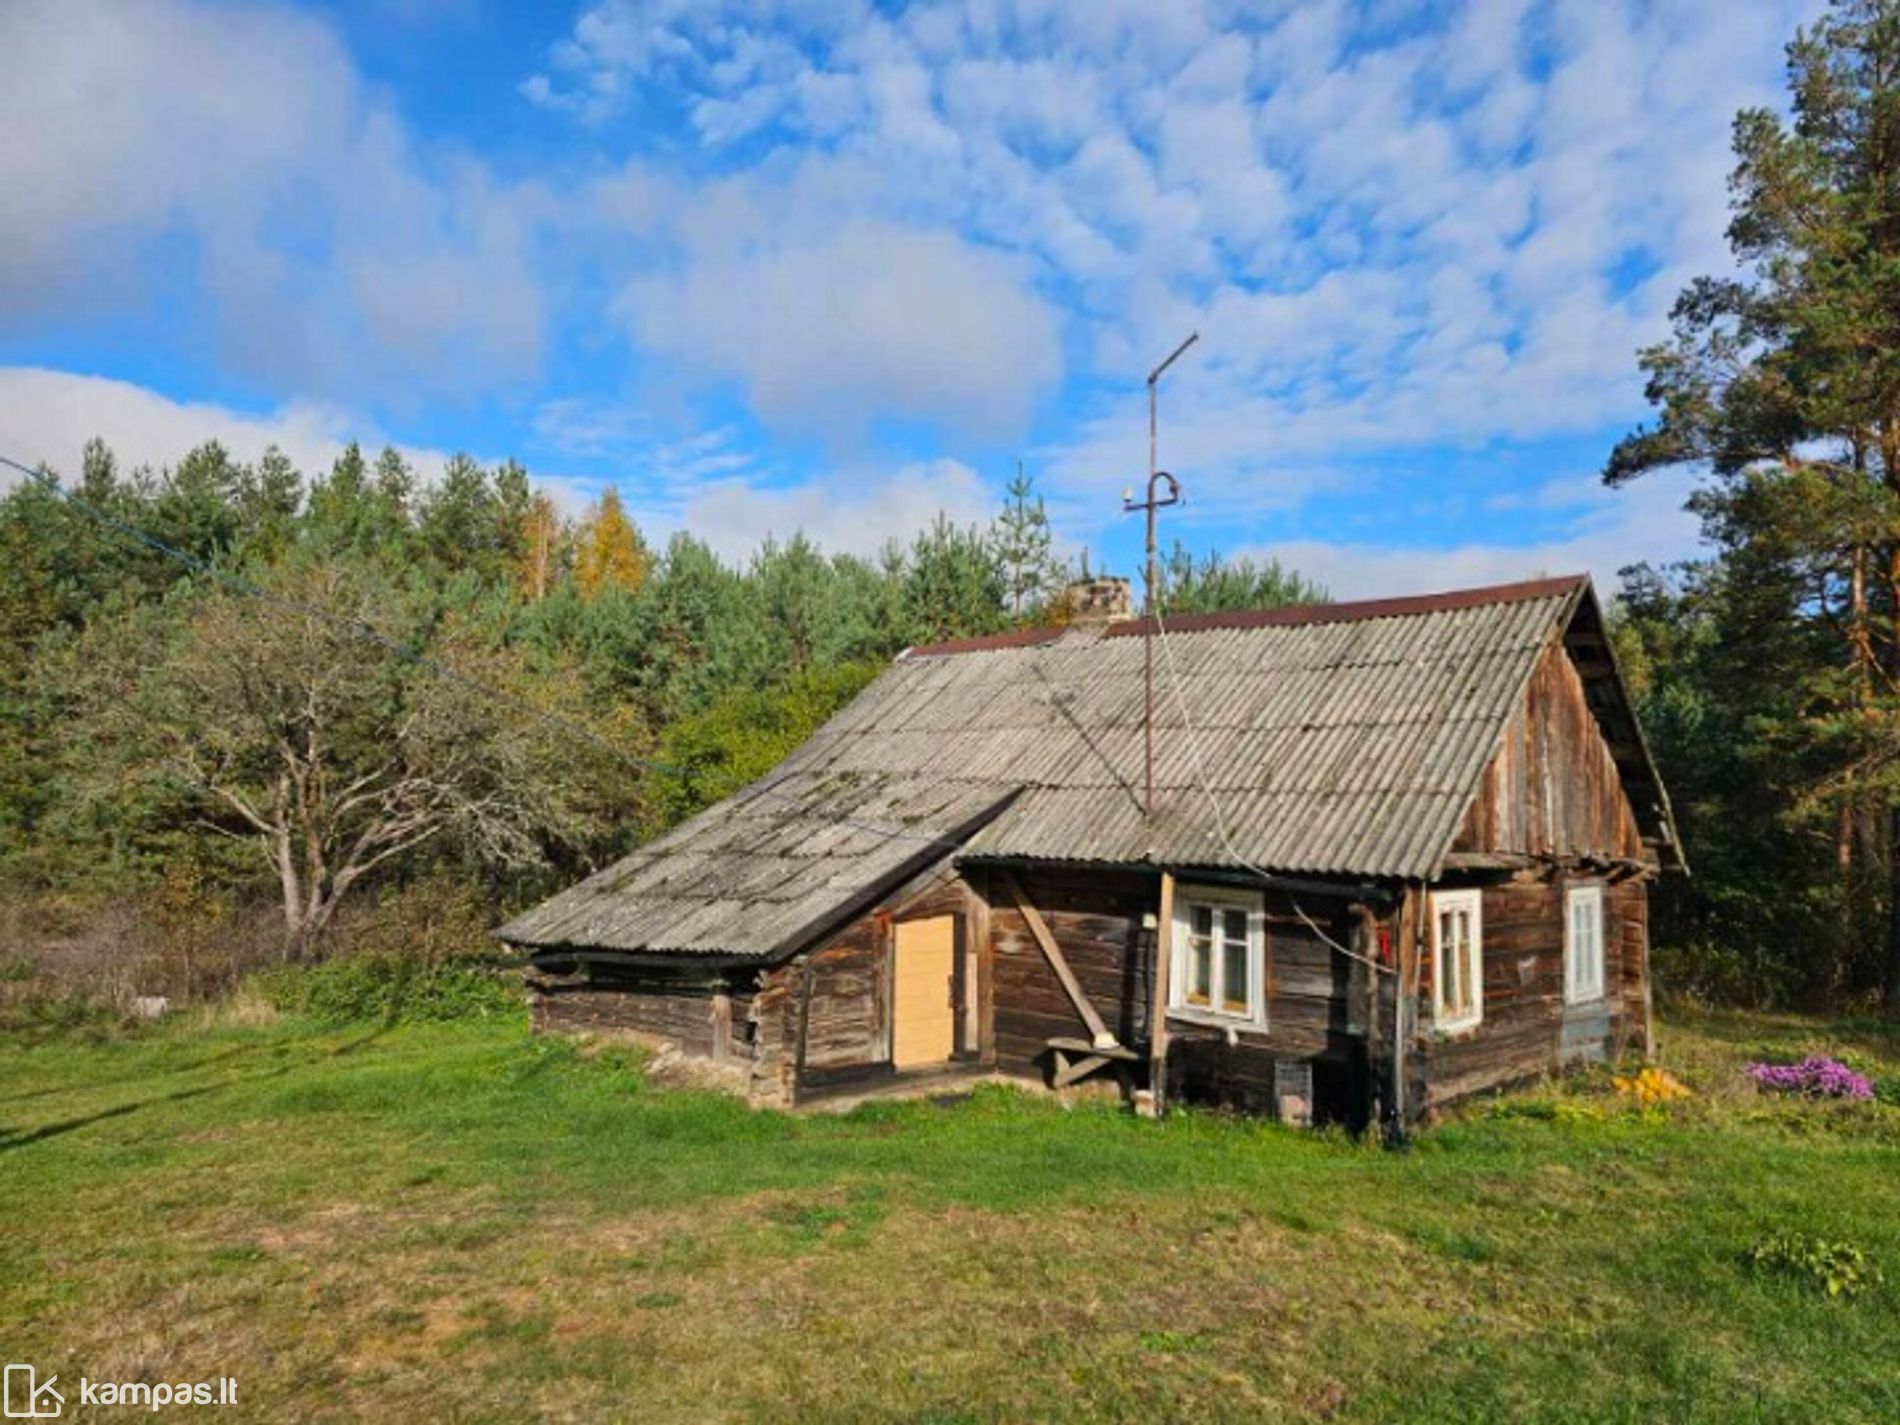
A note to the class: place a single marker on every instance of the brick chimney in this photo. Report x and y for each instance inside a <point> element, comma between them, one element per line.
<point>1098,601</point>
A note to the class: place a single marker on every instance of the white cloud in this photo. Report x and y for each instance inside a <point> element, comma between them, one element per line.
<point>335,253</point>
<point>700,482</point>
<point>1384,242</point>
<point>863,216</point>
<point>845,513</point>
<point>1612,529</point>
<point>50,415</point>
<point>832,326</point>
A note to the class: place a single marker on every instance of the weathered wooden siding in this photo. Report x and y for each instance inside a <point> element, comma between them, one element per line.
<point>1316,1010</point>
<point>844,1014</point>
<point>1552,789</point>
<point>843,1023</point>
<point>1095,917</point>
<point>681,1007</point>
<point>1527,1028</point>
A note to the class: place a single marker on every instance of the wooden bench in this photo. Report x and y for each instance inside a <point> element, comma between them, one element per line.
<point>1078,1058</point>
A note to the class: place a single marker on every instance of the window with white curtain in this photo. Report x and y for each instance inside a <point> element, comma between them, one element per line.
<point>1583,944</point>
<point>1457,959</point>
<point>1219,958</point>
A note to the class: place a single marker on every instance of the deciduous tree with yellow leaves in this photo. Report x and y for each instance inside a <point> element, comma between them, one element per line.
<point>612,553</point>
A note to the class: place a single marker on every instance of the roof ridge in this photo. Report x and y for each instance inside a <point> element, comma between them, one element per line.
<point>1285,616</point>
<point>1020,638</point>
<point>1401,606</point>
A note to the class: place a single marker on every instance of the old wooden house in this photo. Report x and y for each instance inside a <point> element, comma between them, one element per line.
<point>1398,852</point>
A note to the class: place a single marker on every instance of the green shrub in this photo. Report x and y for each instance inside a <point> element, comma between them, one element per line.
<point>1838,1268</point>
<point>1701,973</point>
<point>389,988</point>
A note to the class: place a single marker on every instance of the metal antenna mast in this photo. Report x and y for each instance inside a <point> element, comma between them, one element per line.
<point>1152,506</point>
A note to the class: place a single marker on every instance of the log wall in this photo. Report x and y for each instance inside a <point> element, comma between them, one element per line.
<point>834,1000</point>
<point>1095,916</point>
<point>763,1016</point>
<point>683,1007</point>
<point>1527,1028</point>
<point>1551,796</point>
<point>1552,789</point>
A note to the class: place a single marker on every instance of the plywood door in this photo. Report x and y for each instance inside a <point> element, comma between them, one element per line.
<point>923,1016</point>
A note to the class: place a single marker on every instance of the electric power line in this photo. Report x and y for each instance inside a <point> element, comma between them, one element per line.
<point>1220,819</point>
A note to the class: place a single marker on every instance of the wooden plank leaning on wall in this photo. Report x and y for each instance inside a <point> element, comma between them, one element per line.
<point>1058,962</point>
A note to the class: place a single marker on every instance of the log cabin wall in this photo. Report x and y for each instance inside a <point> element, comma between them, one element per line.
<point>1552,789</point>
<point>1310,1018</point>
<point>760,1017</point>
<point>833,1001</point>
<point>1095,915</point>
<point>1551,803</point>
<point>1528,1029</point>
<point>702,1012</point>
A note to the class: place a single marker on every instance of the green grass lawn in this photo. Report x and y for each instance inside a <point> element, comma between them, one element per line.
<point>462,1222</point>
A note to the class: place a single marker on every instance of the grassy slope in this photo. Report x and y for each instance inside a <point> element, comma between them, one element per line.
<point>461,1222</point>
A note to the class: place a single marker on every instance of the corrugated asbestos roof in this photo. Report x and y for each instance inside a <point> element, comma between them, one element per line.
<point>1340,740</point>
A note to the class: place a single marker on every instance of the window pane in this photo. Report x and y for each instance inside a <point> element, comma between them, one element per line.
<point>1200,985</point>
<point>1585,967</point>
<point>1234,988</point>
<point>1201,919</point>
<point>1455,937</point>
<point>1235,924</point>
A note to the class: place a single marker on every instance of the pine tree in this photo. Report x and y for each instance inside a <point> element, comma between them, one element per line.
<point>395,487</point>
<point>1023,546</point>
<point>954,584</point>
<point>458,524</point>
<point>1214,584</point>
<point>269,496</point>
<point>342,512</point>
<point>1784,382</point>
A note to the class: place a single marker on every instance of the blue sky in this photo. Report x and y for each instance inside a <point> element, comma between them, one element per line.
<point>835,265</point>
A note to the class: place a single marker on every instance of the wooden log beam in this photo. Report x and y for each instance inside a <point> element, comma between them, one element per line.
<point>1052,952</point>
<point>1069,1070</point>
<point>1158,1010</point>
<point>1488,861</point>
<point>981,1028</point>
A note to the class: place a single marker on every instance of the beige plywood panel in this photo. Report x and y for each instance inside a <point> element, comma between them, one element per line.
<point>923,1018</point>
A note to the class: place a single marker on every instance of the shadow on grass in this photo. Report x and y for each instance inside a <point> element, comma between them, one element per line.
<point>83,1086</point>
<point>11,1138</point>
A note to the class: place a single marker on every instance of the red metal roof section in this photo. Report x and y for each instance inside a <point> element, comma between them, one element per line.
<point>1021,638</point>
<point>1298,614</point>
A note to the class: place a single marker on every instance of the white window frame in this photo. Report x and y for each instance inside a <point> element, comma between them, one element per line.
<point>1581,987</point>
<point>1472,903</point>
<point>1219,898</point>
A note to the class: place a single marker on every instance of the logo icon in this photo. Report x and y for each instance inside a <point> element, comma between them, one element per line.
<point>30,1398</point>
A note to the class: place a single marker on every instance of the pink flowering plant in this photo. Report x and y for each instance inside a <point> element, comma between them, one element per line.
<point>1814,1077</point>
